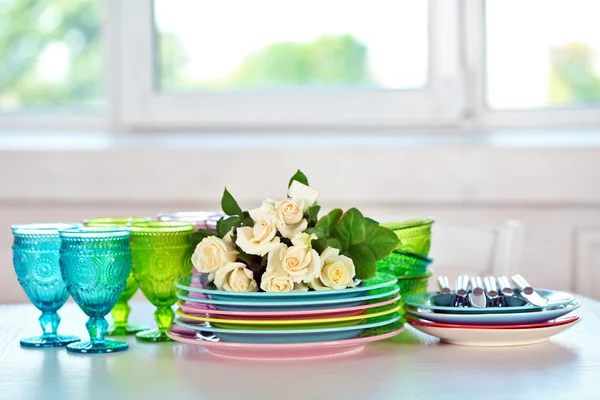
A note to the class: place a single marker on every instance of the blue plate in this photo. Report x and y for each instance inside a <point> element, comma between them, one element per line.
<point>291,335</point>
<point>554,297</point>
<point>199,284</point>
<point>495,319</point>
<point>287,304</point>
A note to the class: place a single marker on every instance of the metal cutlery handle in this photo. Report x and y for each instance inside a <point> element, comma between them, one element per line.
<point>491,288</point>
<point>462,285</point>
<point>476,285</point>
<point>444,285</point>
<point>504,286</point>
<point>522,284</point>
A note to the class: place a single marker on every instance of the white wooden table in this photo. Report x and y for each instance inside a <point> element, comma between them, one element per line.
<point>410,366</point>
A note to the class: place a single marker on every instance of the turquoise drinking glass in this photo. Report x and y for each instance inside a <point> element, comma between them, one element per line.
<point>35,258</point>
<point>162,252</point>
<point>95,263</point>
<point>121,310</point>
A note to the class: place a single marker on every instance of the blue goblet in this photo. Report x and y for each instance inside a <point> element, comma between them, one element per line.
<point>95,263</point>
<point>35,258</point>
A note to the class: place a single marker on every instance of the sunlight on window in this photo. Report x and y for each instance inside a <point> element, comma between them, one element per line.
<point>237,44</point>
<point>545,55</point>
<point>50,54</point>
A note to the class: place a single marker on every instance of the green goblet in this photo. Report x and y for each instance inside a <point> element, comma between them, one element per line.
<point>161,253</point>
<point>121,310</point>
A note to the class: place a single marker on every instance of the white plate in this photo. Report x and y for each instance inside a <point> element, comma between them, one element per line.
<point>494,337</point>
<point>495,319</point>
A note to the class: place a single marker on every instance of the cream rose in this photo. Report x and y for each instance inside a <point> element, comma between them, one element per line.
<point>337,271</point>
<point>260,239</point>
<point>212,253</point>
<point>266,209</point>
<point>302,194</point>
<point>235,277</point>
<point>275,279</point>
<point>289,218</point>
<point>300,261</point>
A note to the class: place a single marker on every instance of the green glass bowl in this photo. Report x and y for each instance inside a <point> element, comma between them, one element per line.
<point>414,235</point>
<point>412,284</point>
<point>403,263</point>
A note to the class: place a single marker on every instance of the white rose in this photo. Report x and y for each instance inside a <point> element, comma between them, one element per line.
<point>260,239</point>
<point>337,271</point>
<point>235,277</point>
<point>303,194</point>
<point>289,218</point>
<point>275,279</point>
<point>212,253</point>
<point>266,209</point>
<point>299,261</point>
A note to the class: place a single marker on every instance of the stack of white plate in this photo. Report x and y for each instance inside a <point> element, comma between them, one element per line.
<point>493,326</point>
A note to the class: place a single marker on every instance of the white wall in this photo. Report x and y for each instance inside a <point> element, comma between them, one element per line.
<point>554,191</point>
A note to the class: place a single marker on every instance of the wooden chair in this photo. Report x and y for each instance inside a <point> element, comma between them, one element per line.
<point>477,250</point>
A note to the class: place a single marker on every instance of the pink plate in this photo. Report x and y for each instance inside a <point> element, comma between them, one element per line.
<point>284,351</point>
<point>555,322</point>
<point>204,309</point>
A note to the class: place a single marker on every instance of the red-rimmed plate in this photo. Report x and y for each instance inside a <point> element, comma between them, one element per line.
<point>558,321</point>
<point>207,309</point>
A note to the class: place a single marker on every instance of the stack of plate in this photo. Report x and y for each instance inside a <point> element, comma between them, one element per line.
<point>494,326</point>
<point>285,325</point>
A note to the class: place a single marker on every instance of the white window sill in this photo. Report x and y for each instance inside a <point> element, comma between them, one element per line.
<point>22,141</point>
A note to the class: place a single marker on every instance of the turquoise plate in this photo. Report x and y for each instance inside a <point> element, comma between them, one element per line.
<point>495,319</point>
<point>291,335</point>
<point>198,283</point>
<point>291,304</point>
<point>555,298</point>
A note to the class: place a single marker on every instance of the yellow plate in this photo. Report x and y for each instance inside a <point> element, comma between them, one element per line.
<point>288,322</point>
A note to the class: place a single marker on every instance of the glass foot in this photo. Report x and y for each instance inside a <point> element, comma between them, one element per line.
<point>130,329</point>
<point>49,341</point>
<point>108,346</point>
<point>153,335</point>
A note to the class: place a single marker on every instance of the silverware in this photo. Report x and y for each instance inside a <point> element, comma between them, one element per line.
<point>528,292</point>
<point>504,286</point>
<point>491,291</point>
<point>461,291</point>
<point>444,285</point>
<point>477,295</point>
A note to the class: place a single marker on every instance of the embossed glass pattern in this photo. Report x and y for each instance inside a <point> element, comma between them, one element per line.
<point>35,258</point>
<point>161,253</point>
<point>95,263</point>
<point>121,310</point>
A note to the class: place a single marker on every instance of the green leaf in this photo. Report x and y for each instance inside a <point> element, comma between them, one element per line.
<point>325,224</point>
<point>246,219</point>
<point>229,205</point>
<point>199,235</point>
<point>370,222</point>
<point>224,225</point>
<point>249,259</point>
<point>350,229</point>
<point>319,245</point>
<point>334,243</point>
<point>300,177</point>
<point>364,261</point>
<point>313,213</point>
<point>381,241</point>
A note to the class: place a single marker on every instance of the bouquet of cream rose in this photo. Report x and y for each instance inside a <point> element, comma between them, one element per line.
<point>283,246</point>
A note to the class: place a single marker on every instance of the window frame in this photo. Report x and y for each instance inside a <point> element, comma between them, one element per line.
<point>438,104</point>
<point>454,98</point>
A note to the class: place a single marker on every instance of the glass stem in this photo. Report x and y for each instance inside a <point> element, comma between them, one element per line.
<point>97,329</point>
<point>49,322</point>
<point>164,317</point>
<point>120,314</point>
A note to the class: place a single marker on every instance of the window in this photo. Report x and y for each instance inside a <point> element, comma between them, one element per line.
<point>51,55</point>
<point>313,44</point>
<point>550,56</point>
<point>329,64</point>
